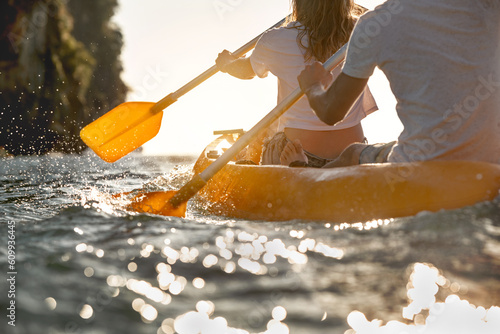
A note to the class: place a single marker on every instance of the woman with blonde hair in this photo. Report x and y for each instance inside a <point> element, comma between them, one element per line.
<point>318,28</point>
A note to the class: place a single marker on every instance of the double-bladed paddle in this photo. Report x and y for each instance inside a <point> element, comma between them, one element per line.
<point>173,203</point>
<point>131,124</point>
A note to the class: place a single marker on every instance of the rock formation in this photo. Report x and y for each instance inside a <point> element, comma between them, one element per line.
<point>59,70</point>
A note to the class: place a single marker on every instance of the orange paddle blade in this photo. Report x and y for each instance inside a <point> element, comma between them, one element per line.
<point>122,130</point>
<point>157,202</point>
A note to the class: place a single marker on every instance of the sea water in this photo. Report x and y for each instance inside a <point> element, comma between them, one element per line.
<point>75,261</point>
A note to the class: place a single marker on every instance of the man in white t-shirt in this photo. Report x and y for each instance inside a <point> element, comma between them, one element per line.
<point>442,60</point>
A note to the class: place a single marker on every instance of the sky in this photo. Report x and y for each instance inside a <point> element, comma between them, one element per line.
<point>167,43</point>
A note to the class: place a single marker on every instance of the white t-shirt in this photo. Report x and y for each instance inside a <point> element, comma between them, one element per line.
<point>277,52</point>
<point>442,60</point>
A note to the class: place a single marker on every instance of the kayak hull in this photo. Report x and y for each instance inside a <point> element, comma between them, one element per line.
<point>348,194</point>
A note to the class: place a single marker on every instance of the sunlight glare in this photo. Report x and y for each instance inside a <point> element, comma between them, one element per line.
<point>453,315</point>
<point>86,312</point>
<point>51,303</point>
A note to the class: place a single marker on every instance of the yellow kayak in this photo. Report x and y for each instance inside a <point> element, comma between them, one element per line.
<point>349,194</point>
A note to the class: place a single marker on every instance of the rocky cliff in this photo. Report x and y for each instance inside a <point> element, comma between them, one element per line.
<point>59,70</point>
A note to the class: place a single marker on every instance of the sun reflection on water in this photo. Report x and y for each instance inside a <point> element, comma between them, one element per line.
<point>199,322</point>
<point>230,252</point>
<point>86,312</point>
<point>234,251</point>
<point>451,316</point>
<point>157,273</point>
<point>372,224</point>
<point>51,303</point>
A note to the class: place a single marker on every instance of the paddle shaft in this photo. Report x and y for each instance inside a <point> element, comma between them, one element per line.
<point>172,97</point>
<point>192,187</point>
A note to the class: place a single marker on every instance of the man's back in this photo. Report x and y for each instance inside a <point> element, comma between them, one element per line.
<point>441,58</point>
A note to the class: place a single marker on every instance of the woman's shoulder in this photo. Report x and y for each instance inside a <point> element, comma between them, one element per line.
<point>288,31</point>
<point>282,39</point>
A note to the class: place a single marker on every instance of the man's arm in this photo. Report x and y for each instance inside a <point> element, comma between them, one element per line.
<point>240,68</point>
<point>330,102</point>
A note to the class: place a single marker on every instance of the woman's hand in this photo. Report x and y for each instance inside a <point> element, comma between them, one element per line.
<point>237,67</point>
<point>314,76</point>
<point>225,58</point>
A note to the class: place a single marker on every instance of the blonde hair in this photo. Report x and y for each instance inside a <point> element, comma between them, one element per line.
<point>327,23</point>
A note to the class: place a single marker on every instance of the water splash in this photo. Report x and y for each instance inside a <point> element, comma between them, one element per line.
<point>173,180</point>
